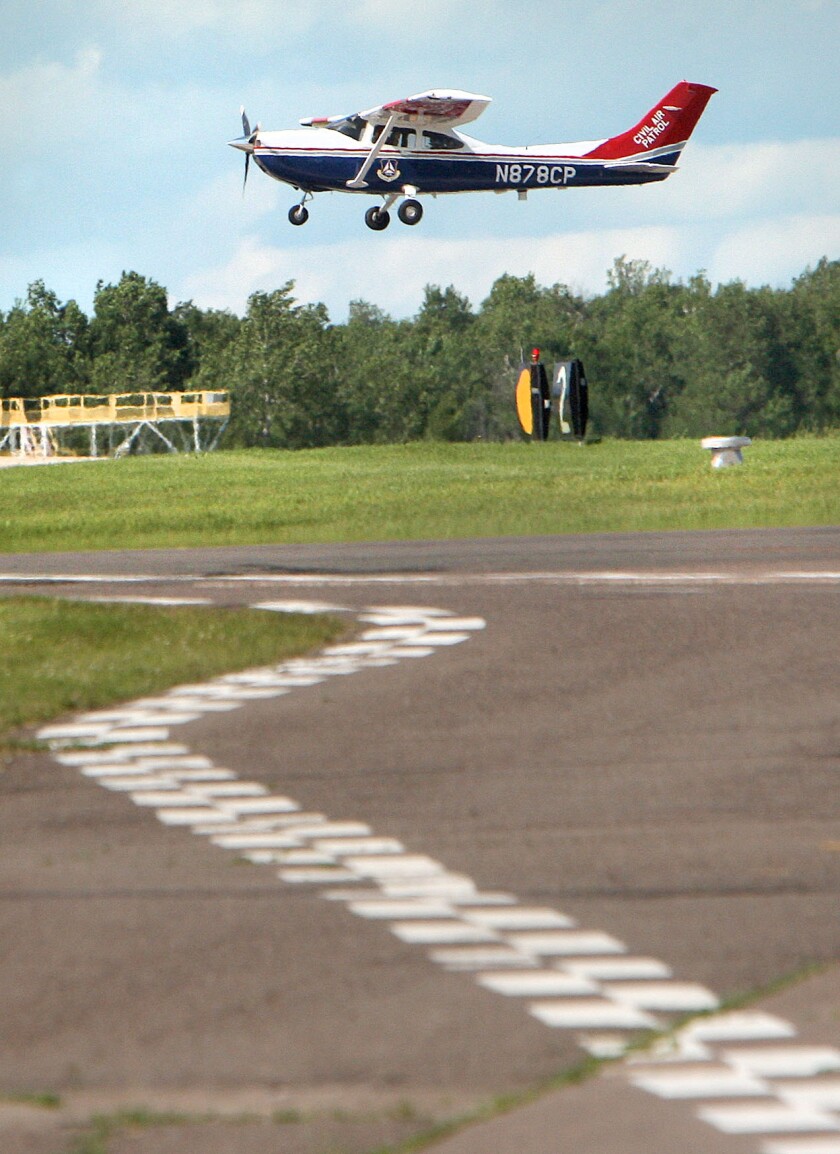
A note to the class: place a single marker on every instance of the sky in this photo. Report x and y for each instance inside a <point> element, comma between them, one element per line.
<point>114,120</point>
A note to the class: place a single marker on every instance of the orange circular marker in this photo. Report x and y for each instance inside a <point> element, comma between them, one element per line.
<point>524,408</point>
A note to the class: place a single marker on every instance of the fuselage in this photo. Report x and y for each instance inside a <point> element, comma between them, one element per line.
<point>425,161</point>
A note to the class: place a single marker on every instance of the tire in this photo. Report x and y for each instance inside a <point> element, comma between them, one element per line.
<point>410,211</point>
<point>298,214</point>
<point>377,219</point>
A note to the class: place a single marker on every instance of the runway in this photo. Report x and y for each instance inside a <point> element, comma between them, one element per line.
<point>613,759</point>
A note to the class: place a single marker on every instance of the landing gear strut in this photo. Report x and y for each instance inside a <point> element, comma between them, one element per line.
<point>299,213</point>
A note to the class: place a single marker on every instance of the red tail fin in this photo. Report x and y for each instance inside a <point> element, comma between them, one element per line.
<point>670,122</point>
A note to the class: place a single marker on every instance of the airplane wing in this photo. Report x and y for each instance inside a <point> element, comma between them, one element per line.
<point>449,108</point>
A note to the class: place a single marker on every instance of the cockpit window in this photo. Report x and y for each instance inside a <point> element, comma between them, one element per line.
<point>398,137</point>
<point>441,142</point>
<point>351,127</point>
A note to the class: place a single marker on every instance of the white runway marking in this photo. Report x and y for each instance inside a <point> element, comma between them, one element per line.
<point>592,1014</point>
<point>568,977</point>
<point>667,997</point>
<point>769,1118</point>
<point>823,1093</point>
<point>566,942</point>
<point>714,1082</point>
<point>739,1026</point>
<point>785,1061</point>
<point>537,983</point>
<point>549,577</point>
<point>520,918</point>
<point>618,969</point>
<point>444,580</point>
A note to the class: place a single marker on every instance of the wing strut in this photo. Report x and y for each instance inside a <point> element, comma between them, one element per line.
<point>358,180</point>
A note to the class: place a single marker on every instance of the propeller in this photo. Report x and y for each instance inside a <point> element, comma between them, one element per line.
<point>246,142</point>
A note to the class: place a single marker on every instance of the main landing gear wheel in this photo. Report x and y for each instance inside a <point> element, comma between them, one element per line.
<point>377,218</point>
<point>298,214</point>
<point>410,211</point>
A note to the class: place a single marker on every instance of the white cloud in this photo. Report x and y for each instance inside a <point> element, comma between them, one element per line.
<point>725,180</point>
<point>430,17</point>
<point>392,272</point>
<point>71,270</point>
<point>263,19</point>
<point>772,251</point>
<point>46,96</point>
<point>275,22</point>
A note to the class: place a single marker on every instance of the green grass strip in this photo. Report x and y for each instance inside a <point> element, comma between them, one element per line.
<point>64,656</point>
<point>412,492</point>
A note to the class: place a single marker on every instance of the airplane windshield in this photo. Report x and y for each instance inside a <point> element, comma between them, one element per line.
<point>351,127</point>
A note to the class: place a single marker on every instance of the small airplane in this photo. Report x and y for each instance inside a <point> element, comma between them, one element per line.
<point>411,147</point>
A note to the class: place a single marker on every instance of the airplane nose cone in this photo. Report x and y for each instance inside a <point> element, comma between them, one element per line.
<point>243,143</point>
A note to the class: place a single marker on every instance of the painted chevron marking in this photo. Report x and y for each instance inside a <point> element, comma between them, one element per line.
<point>567,977</point>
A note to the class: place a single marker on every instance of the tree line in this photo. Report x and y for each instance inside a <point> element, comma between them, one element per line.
<point>664,358</point>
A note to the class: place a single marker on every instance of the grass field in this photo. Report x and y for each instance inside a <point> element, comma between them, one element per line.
<point>414,492</point>
<point>76,655</point>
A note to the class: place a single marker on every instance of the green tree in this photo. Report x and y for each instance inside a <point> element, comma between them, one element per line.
<point>736,365</point>
<point>443,374</point>
<point>282,374</point>
<point>137,344</point>
<point>631,349</point>
<point>43,346</point>
<point>209,334</point>
<point>812,326</point>
<point>372,390</point>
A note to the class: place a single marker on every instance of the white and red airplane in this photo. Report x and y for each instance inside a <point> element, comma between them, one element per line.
<point>411,147</point>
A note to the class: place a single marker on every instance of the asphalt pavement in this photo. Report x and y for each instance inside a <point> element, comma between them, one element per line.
<point>590,787</point>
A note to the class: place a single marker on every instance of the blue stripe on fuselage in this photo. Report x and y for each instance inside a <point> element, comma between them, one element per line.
<point>444,172</point>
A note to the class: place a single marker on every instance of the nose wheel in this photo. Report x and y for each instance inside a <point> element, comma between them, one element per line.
<point>299,213</point>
